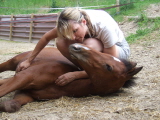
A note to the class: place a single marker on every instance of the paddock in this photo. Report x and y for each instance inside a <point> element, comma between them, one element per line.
<point>141,102</point>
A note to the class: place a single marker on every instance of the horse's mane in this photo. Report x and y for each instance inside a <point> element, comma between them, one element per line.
<point>129,66</point>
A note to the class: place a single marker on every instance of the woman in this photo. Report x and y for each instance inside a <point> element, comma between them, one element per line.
<point>94,28</point>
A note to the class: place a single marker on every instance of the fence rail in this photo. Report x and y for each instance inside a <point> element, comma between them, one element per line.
<point>26,28</point>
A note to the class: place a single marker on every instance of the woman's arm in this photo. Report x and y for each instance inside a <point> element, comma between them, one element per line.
<point>112,51</point>
<point>70,76</point>
<point>40,45</point>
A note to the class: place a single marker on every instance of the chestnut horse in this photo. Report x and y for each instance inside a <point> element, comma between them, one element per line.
<point>107,74</point>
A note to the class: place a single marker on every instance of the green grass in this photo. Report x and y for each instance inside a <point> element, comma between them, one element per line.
<point>22,6</point>
<point>137,9</point>
<point>146,26</point>
<point>29,6</point>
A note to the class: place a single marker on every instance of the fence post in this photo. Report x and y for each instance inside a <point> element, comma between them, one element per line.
<point>118,3</point>
<point>31,28</point>
<point>11,28</point>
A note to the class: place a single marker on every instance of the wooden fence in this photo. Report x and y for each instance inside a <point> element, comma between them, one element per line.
<point>30,28</point>
<point>26,28</point>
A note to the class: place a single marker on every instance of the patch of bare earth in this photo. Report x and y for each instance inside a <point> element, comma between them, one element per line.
<point>141,102</point>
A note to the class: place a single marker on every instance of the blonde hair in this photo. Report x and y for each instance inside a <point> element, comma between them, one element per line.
<point>64,29</point>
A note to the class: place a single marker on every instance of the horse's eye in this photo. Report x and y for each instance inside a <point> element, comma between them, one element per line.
<point>109,68</point>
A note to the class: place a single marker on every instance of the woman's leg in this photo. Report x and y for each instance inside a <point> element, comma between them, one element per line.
<point>122,52</point>
<point>63,47</point>
<point>94,43</point>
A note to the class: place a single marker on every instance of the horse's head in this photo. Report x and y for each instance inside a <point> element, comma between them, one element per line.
<point>105,71</point>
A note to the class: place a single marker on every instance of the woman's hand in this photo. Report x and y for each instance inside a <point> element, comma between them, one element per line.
<point>65,79</point>
<point>24,65</point>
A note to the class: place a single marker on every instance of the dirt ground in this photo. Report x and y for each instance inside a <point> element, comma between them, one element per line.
<point>141,102</point>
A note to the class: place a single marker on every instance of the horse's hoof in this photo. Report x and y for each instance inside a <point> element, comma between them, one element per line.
<point>10,106</point>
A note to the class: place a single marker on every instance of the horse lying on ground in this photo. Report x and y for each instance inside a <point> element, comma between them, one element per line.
<point>107,74</point>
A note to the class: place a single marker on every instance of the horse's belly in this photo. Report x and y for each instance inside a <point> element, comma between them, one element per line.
<point>77,88</point>
<point>47,93</point>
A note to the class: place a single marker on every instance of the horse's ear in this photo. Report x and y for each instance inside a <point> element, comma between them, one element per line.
<point>134,71</point>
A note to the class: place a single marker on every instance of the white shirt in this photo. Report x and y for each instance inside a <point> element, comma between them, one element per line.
<point>106,28</point>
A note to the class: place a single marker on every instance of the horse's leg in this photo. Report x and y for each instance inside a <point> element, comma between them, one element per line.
<point>19,81</point>
<point>13,62</point>
<point>3,81</point>
<point>20,98</point>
